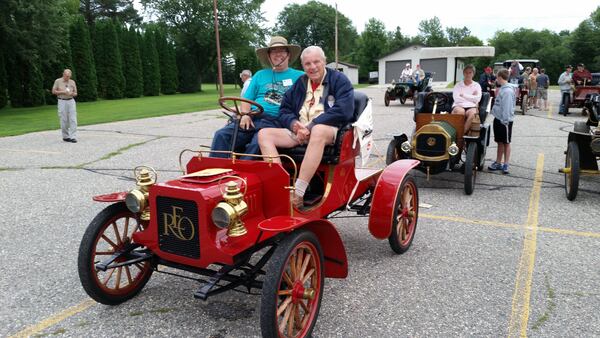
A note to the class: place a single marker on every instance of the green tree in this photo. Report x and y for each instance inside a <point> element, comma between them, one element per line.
<point>168,64</point>
<point>462,37</point>
<point>189,74</point>
<point>26,83</point>
<point>246,59</point>
<point>584,44</point>
<point>397,40</point>
<point>150,65</point>
<point>191,24</point>
<point>84,70</point>
<point>313,24</point>
<point>432,34</point>
<point>3,82</point>
<point>132,63</point>
<point>107,54</point>
<point>372,44</point>
<point>121,10</point>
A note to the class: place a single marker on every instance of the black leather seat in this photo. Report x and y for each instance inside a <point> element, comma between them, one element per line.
<point>331,154</point>
<point>423,106</point>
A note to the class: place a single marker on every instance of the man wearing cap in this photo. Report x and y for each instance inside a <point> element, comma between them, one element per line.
<point>266,88</point>
<point>582,76</point>
<point>66,91</point>
<point>406,74</point>
<point>312,112</point>
<point>565,81</point>
<point>487,80</point>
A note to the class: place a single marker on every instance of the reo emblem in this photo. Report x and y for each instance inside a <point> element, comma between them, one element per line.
<point>431,141</point>
<point>178,225</point>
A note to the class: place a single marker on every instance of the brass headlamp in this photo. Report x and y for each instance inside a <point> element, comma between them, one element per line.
<point>137,199</point>
<point>228,214</point>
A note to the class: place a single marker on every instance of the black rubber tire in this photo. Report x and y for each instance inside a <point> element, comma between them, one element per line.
<point>274,282</point>
<point>524,104</point>
<point>393,152</point>
<point>402,99</point>
<point>581,127</point>
<point>102,292</point>
<point>572,179</point>
<point>386,99</point>
<point>398,245</point>
<point>481,152</point>
<point>470,172</point>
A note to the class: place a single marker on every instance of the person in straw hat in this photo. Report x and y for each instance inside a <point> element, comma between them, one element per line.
<point>266,88</point>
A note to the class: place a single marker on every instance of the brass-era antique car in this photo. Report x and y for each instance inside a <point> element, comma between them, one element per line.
<point>581,98</point>
<point>231,222</point>
<point>407,90</point>
<point>439,141</point>
<point>583,149</point>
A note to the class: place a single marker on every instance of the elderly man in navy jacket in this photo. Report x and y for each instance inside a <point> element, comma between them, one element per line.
<point>313,110</point>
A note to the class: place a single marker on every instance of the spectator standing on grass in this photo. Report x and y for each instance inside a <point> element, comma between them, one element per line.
<point>543,82</point>
<point>246,76</point>
<point>65,90</point>
<point>504,114</point>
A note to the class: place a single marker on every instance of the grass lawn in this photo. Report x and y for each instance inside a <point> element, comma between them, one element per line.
<point>18,121</point>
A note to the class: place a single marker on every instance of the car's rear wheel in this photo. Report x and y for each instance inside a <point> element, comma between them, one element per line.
<point>109,232</point>
<point>572,171</point>
<point>293,287</point>
<point>386,99</point>
<point>524,104</point>
<point>393,152</point>
<point>402,99</point>
<point>470,168</point>
<point>406,214</point>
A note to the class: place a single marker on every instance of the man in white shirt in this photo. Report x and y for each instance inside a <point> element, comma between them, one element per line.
<point>466,95</point>
<point>406,74</point>
<point>246,76</point>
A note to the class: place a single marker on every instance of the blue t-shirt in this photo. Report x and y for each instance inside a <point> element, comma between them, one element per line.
<point>267,88</point>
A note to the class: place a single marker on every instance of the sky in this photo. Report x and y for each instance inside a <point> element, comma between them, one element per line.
<point>483,18</point>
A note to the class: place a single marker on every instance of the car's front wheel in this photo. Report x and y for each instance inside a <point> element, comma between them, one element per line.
<point>293,287</point>
<point>406,214</point>
<point>572,171</point>
<point>386,99</point>
<point>470,167</point>
<point>108,233</point>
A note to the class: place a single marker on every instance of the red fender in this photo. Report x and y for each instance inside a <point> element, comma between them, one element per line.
<point>384,197</point>
<point>114,197</point>
<point>336,262</point>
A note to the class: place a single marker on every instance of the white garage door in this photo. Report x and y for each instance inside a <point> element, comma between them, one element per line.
<point>393,69</point>
<point>436,66</point>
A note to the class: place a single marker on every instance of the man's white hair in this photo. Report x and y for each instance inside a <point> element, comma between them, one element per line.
<point>246,72</point>
<point>313,49</point>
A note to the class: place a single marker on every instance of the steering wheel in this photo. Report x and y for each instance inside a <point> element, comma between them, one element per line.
<point>442,99</point>
<point>233,109</point>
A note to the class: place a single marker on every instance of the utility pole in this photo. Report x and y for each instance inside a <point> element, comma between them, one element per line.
<point>219,70</point>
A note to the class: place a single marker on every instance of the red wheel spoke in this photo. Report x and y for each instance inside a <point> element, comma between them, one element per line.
<point>284,305</point>
<point>125,231</point>
<point>285,292</point>
<point>297,318</point>
<point>118,283</point>
<point>304,307</point>
<point>287,279</point>
<point>291,321</point>
<point>107,279</point>
<point>139,266</point>
<point>109,241</point>
<point>285,319</point>
<point>404,230</point>
<point>305,264</point>
<point>299,261</point>
<point>310,272</point>
<point>129,279</point>
<point>117,234</point>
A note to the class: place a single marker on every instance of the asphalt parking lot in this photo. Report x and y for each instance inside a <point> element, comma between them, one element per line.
<point>515,258</point>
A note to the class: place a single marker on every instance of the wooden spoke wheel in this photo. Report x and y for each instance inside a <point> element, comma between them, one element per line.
<point>393,152</point>
<point>406,214</point>
<point>524,103</point>
<point>470,168</point>
<point>109,232</point>
<point>572,171</point>
<point>386,99</point>
<point>293,287</point>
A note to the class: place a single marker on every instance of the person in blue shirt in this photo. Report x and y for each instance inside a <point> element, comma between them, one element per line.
<point>266,88</point>
<point>312,112</point>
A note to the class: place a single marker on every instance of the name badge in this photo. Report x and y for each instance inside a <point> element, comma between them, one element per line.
<point>287,82</point>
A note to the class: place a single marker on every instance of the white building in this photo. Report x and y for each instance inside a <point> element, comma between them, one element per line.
<point>446,63</point>
<point>350,70</point>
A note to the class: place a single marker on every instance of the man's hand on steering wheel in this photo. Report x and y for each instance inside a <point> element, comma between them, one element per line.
<point>246,122</point>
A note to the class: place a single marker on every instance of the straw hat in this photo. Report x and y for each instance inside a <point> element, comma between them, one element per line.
<point>277,41</point>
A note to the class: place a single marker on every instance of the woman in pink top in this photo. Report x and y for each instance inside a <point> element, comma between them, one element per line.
<point>467,95</point>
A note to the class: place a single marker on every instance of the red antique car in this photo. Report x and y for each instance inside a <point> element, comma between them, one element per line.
<point>232,221</point>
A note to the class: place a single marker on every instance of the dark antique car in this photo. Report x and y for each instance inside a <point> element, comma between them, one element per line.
<point>439,141</point>
<point>232,221</point>
<point>580,99</point>
<point>407,90</point>
<point>583,149</point>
